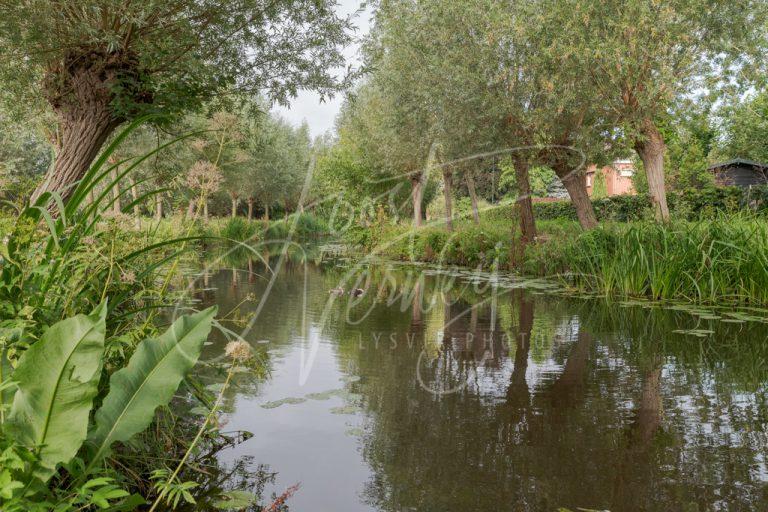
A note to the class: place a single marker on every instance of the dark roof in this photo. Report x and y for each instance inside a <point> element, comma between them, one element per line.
<point>736,162</point>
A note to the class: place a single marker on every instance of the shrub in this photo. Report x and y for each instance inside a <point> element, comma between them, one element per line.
<point>615,208</point>
<point>689,204</point>
<point>240,229</point>
<point>306,226</point>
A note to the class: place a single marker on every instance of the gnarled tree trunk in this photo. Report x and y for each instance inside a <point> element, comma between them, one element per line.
<point>651,149</point>
<point>447,192</point>
<point>80,91</point>
<point>524,202</point>
<point>575,184</point>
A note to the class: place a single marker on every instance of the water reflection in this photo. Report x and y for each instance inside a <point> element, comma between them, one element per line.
<point>444,392</point>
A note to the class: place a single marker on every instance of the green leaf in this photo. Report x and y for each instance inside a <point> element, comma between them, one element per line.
<point>57,381</point>
<point>235,500</point>
<point>149,381</point>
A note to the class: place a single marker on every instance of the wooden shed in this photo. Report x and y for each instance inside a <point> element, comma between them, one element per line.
<point>740,173</point>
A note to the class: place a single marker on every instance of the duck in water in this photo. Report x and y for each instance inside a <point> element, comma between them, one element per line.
<point>356,292</point>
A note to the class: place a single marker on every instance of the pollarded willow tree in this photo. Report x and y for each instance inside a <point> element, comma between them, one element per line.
<point>644,54</point>
<point>405,121</point>
<point>99,63</point>
<point>443,77</point>
<point>560,116</point>
<point>390,143</point>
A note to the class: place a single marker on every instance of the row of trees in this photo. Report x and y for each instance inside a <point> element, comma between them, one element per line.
<point>238,159</point>
<point>556,83</point>
<point>252,161</point>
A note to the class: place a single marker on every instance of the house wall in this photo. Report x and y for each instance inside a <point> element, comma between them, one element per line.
<point>618,178</point>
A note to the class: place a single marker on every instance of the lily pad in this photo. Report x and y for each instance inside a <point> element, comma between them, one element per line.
<point>347,409</point>
<point>325,395</point>
<point>740,315</point>
<point>700,333</point>
<point>235,500</point>
<point>277,403</point>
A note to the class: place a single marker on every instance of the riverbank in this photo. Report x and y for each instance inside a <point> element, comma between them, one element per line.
<point>723,260</point>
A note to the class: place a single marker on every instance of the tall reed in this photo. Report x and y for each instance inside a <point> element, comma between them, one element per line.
<point>722,260</point>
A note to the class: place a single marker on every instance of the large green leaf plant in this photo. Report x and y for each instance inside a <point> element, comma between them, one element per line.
<point>56,381</point>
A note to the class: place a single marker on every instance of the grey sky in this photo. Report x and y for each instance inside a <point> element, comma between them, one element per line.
<point>306,105</point>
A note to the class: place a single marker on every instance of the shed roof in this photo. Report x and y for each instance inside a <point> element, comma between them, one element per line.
<point>738,161</point>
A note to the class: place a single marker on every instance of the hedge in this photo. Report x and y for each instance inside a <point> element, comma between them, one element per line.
<point>691,204</point>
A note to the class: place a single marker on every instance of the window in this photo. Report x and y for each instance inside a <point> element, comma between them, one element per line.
<point>626,173</point>
<point>589,180</point>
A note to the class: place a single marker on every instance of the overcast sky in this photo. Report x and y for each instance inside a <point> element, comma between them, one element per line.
<point>307,106</point>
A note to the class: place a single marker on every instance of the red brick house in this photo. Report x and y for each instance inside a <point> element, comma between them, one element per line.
<point>618,178</point>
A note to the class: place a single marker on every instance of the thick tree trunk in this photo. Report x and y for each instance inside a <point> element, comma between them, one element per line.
<point>574,183</point>
<point>266,212</point>
<point>417,194</point>
<point>651,149</point>
<point>472,195</point>
<point>448,193</point>
<point>158,207</point>
<point>80,143</point>
<point>250,208</point>
<point>524,202</point>
<point>234,206</point>
<point>80,92</point>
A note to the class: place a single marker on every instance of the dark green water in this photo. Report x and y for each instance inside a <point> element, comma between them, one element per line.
<point>449,392</point>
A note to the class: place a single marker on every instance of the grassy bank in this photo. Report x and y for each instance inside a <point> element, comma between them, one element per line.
<point>723,260</point>
<point>298,226</point>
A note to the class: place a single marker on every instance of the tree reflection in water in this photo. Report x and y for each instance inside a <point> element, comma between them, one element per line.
<point>554,402</point>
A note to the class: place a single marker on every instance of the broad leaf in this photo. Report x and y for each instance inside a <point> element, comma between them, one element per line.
<point>57,380</point>
<point>149,381</point>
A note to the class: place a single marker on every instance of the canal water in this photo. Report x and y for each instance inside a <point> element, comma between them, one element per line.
<point>450,390</point>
